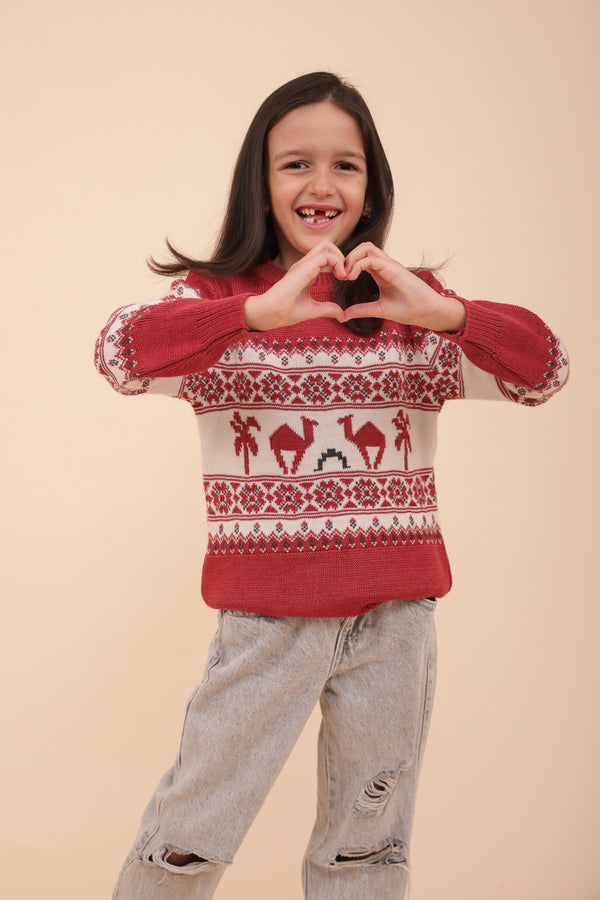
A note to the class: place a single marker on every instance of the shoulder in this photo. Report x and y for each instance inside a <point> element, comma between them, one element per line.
<point>202,282</point>
<point>256,280</point>
<point>429,278</point>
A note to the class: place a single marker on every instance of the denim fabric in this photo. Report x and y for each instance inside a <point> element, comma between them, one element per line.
<point>373,676</point>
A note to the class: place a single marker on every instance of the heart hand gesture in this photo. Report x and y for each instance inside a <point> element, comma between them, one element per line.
<point>403,297</point>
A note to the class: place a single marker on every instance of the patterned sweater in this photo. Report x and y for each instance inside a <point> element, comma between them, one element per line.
<point>318,444</point>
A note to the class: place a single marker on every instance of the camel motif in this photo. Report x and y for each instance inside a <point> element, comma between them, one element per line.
<point>367,436</point>
<point>285,440</point>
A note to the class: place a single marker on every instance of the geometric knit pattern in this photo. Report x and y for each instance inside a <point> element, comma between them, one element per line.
<point>318,444</point>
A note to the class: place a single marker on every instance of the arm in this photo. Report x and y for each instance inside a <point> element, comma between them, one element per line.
<point>508,342</point>
<point>511,343</point>
<point>178,335</point>
<point>515,346</point>
<point>144,344</point>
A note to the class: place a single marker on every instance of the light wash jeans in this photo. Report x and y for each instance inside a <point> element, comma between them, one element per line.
<point>374,677</point>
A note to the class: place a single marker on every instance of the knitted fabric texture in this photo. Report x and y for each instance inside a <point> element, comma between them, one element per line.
<point>318,444</point>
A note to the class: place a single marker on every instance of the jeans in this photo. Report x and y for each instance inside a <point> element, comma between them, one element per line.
<point>373,676</point>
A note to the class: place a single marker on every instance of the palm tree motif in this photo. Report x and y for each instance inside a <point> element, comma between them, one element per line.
<point>285,440</point>
<point>366,437</point>
<point>402,423</point>
<point>244,439</point>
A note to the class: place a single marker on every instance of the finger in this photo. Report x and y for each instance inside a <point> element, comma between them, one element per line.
<point>363,311</point>
<point>329,311</point>
<point>362,250</point>
<point>325,256</point>
<point>333,261</point>
<point>319,310</point>
<point>382,267</point>
<point>332,258</point>
<point>354,267</point>
<point>327,248</point>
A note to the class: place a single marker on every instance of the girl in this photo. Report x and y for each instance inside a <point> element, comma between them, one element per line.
<point>316,366</point>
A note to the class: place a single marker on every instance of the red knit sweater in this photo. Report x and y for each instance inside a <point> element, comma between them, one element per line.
<point>318,444</point>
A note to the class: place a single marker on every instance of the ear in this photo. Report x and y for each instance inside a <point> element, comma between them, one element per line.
<point>367,210</point>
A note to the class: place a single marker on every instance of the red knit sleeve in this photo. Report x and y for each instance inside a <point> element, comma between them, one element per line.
<point>511,343</point>
<point>184,337</point>
<point>181,334</point>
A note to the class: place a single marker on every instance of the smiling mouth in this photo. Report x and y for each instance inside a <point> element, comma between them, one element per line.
<point>316,216</point>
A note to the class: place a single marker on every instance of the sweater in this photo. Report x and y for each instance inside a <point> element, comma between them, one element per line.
<point>317,443</point>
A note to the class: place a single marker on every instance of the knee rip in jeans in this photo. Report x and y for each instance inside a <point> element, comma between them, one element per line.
<point>375,795</point>
<point>391,852</point>
<point>176,859</point>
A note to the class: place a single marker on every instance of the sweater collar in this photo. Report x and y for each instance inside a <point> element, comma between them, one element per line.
<point>320,289</point>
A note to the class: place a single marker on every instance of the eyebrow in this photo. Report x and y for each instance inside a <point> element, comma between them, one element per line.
<point>343,153</point>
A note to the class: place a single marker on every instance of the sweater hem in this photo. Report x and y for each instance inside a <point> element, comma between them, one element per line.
<point>326,584</point>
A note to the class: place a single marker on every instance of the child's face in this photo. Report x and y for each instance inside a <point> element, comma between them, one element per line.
<point>317,178</point>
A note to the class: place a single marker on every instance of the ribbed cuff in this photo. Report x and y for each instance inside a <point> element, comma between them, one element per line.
<point>482,326</point>
<point>186,336</point>
<point>224,319</point>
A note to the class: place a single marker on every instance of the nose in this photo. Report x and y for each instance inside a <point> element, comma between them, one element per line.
<point>321,183</point>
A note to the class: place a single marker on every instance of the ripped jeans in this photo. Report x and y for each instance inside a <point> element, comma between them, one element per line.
<point>374,677</point>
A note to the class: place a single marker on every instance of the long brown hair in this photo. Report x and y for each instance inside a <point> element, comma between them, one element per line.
<point>247,235</point>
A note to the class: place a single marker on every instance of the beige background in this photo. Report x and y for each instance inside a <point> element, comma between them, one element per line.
<point>122,122</point>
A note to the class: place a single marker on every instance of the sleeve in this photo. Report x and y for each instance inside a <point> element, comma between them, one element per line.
<point>508,352</point>
<point>151,347</point>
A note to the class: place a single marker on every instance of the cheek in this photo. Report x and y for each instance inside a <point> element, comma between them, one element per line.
<point>359,193</point>
<point>281,199</point>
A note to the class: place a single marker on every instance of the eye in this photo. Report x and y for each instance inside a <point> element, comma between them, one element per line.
<point>296,164</point>
<point>347,166</point>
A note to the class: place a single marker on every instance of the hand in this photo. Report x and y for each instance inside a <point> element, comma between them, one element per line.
<point>289,301</point>
<point>403,297</point>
